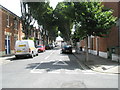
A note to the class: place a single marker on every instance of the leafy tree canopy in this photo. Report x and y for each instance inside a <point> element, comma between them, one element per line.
<point>93,19</point>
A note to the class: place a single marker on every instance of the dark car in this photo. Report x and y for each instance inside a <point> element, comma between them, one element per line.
<point>47,47</point>
<point>67,49</point>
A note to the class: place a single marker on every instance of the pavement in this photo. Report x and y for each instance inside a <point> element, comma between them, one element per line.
<point>5,59</point>
<point>98,64</point>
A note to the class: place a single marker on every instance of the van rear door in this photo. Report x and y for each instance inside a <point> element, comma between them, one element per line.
<point>22,47</point>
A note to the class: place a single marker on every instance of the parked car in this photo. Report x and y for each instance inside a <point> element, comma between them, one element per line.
<point>67,49</point>
<point>51,46</point>
<point>41,48</point>
<point>47,47</point>
<point>25,48</point>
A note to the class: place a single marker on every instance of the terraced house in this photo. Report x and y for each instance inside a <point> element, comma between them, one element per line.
<point>10,31</point>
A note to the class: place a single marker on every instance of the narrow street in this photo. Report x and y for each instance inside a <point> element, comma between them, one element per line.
<point>51,69</point>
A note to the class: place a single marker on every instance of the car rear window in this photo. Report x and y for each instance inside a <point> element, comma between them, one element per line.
<point>39,46</point>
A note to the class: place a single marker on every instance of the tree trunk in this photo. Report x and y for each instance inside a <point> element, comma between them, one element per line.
<point>86,49</point>
<point>97,46</point>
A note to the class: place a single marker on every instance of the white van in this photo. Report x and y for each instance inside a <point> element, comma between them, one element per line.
<point>25,48</point>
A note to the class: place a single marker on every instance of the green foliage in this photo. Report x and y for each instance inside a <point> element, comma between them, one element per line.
<point>43,13</point>
<point>90,18</point>
<point>62,15</point>
<point>93,19</point>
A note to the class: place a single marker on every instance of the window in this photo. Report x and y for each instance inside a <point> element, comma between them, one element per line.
<point>15,23</point>
<point>8,20</point>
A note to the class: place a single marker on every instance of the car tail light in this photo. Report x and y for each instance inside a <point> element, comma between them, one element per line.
<point>29,50</point>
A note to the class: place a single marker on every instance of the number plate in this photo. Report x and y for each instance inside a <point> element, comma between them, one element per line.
<point>19,51</point>
<point>22,45</point>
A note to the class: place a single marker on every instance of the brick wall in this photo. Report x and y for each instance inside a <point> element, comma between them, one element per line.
<point>10,31</point>
<point>112,39</point>
<point>103,44</point>
<point>0,30</point>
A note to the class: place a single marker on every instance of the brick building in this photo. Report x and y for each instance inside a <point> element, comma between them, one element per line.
<point>10,31</point>
<point>36,34</point>
<point>99,45</point>
<point>113,37</point>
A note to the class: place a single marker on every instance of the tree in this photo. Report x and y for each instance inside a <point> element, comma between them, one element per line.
<point>63,20</point>
<point>26,19</point>
<point>43,13</point>
<point>93,20</point>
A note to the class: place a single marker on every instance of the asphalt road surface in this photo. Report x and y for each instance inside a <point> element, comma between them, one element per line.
<point>51,69</point>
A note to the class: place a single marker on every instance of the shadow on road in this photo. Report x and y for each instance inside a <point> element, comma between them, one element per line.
<point>21,58</point>
<point>54,65</point>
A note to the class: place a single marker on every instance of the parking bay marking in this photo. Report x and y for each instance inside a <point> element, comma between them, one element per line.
<point>60,62</point>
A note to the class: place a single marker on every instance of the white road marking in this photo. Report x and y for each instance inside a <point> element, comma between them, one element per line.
<point>35,68</point>
<point>58,63</point>
<point>49,55</point>
<point>59,71</point>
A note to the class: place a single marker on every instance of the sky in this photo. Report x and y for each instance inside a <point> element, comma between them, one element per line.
<point>14,5</point>
<point>53,3</point>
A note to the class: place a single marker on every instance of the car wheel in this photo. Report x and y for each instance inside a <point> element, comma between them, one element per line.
<point>17,57</point>
<point>37,54</point>
<point>38,51</point>
<point>70,52</point>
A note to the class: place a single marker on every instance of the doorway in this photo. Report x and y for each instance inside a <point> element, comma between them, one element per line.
<point>7,45</point>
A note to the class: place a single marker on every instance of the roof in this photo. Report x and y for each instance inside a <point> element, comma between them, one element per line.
<point>2,7</point>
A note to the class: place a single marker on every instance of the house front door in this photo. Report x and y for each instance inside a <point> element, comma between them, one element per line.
<point>7,45</point>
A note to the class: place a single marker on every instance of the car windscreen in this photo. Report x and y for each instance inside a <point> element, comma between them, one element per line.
<point>67,46</point>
